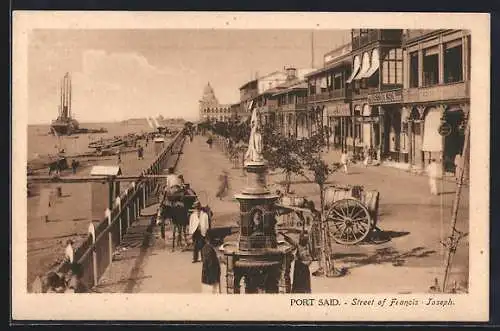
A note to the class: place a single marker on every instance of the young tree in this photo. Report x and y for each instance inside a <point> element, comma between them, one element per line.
<point>282,153</point>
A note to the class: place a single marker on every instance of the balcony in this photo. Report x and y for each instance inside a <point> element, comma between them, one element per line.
<point>363,92</point>
<point>455,91</point>
<point>292,107</point>
<point>330,95</point>
<point>410,35</point>
<point>267,108</point>
<point>376,35</point>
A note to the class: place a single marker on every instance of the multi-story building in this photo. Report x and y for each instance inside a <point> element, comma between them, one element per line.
<point>259,93</point>
<point>328,97</point>
<point>291,101</point>
<point>210,108</point>
<point>376,81</point>
<point>436,91</point>
<point>248,92</point>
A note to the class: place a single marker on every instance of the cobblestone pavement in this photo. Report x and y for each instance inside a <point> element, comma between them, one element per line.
<point>415,221</point>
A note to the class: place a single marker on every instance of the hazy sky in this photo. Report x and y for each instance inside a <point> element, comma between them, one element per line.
<point>119,74</point>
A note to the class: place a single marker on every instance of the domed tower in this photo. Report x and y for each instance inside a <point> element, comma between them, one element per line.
<point>208,100</point>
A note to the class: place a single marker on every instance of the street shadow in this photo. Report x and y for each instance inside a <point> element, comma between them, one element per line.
<point>79,219</point>
<point>146,231</point>
<point>383,255</point>
<point>121,281</point>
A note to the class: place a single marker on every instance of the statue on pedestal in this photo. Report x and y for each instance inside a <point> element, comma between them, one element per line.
<point>254,151</point>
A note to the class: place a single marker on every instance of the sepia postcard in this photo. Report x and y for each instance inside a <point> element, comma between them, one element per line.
<point>244,166</point>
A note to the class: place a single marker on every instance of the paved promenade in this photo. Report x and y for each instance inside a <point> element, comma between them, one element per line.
<point>414,220</point>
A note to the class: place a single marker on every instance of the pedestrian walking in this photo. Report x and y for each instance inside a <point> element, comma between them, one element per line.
<point>434,172</point>
<point>344,160</point>
<point>74,166</point>
<point>140,153</point>
<point>366,156</point>
<point>198,227</point>
<point>119,156</point>
<point>223,185</point>
<point>210,142</point>
<point>210,271</point>
<point>301,273</point>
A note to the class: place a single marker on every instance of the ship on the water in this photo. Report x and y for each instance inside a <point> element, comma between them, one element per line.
<point>65,124</point>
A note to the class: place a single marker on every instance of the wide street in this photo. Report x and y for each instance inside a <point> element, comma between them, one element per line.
<point>415,221</point>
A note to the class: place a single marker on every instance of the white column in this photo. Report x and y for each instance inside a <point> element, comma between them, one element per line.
<point>441,62</point>
<point>465,58</point>
<point>406,69</point>
<point>420,67</point>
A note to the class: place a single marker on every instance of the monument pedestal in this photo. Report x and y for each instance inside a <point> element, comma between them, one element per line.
<point>257,257</point>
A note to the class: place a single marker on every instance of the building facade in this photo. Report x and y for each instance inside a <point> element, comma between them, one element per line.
<point>376,81</point>
<point>329,99</point>
<point>436,91</point>
<point>291,105</point>
<point>210,109</point>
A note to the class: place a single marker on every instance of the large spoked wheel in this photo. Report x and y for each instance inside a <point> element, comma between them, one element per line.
<point>348,221</point>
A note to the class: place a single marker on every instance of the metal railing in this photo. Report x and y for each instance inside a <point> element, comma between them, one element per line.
<point>95,253</point>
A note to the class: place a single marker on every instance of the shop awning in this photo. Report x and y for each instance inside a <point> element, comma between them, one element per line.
<point>355,69</point>
<point>365,66</point>
<point>433,141</point>
<point>374,66</point>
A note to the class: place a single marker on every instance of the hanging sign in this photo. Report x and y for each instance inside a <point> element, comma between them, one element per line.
<point>445,129</point>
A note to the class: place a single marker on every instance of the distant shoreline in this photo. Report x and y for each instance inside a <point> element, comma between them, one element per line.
<point>127,121</point>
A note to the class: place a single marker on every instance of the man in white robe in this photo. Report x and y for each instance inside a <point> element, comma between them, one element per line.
<point>198,227</point>
<point>434,172</point>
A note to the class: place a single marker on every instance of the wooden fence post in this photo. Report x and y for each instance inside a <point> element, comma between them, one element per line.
<point>134,209</point>
<point>107,214</point>
<point>94,253</point>
<point>118,203</point>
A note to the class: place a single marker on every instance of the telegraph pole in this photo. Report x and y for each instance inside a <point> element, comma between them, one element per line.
<point>455,236</point>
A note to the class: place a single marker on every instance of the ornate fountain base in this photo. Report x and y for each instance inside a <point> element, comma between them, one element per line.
<point>257,257</point>
<point>263,271</point>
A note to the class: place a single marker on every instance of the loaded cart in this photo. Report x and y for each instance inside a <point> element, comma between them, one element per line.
<point>350,215</point>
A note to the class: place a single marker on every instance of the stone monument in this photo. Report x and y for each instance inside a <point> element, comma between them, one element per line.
<point>257,257</point>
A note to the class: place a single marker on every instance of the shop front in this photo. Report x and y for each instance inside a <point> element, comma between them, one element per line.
<point>426,120</point>
<point>338,118</point>
<point>393,129</point>
<point>365,129</point>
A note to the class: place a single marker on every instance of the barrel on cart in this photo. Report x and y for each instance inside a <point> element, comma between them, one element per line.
<point>350,213</point>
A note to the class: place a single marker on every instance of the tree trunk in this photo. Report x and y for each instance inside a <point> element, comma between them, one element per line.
<point>288,181</point>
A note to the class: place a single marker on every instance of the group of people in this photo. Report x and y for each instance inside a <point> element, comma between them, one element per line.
<point>69,282</point>
<point>197,224</point>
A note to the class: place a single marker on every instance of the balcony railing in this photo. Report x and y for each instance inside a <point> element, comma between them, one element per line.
<point>292,107</point>
<point>410,35</point>
<point>363,92</point>
<point>333,94</point>
<point>376,35</point>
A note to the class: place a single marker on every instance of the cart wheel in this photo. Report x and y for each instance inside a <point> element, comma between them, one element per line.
<point>348,221</point>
